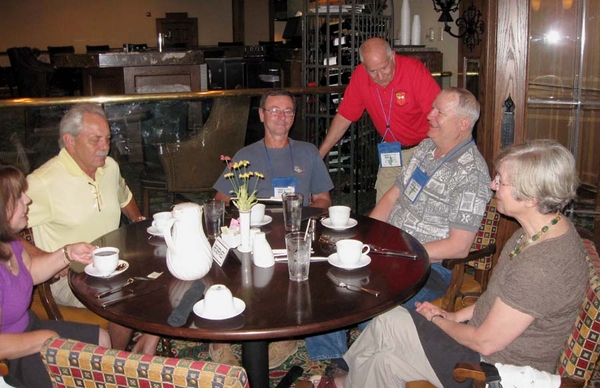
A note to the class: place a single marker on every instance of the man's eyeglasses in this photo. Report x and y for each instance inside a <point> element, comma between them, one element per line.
<point>498,183</point>
<point>277,112</point>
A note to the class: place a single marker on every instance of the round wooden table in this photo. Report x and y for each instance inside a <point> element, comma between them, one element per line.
<point>276,307</point>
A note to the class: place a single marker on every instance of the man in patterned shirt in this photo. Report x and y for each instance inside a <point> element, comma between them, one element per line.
<point>439,198</point>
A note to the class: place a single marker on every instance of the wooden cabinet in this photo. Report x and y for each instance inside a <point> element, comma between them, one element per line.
<point>178,30</point>
<point>144,78</point>
<point>431,58</point>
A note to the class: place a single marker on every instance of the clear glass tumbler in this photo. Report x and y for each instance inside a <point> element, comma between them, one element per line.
<point>214,217</point>
<point>298,253</point>
<point>292,211</point>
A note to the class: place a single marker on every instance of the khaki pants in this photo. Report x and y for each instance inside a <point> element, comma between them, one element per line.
<point>63,295</point>
<point>386,176</point>
<point>388,353</point>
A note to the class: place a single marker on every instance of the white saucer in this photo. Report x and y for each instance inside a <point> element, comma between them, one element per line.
<point>327,223</point>
<point>155,232</point>
<point>266,220</point>
<point>238,305</point>
<point>91,270</point>
<point>335,261</point>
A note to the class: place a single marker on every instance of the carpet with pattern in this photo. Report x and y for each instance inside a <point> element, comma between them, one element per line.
<point>199,351</point>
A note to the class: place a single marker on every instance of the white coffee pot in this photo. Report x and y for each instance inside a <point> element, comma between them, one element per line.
<point>188,250</point>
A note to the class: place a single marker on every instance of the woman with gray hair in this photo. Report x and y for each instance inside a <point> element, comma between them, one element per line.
<point>526,313</point>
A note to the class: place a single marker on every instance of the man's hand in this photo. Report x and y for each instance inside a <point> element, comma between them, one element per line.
<point>339,126</point>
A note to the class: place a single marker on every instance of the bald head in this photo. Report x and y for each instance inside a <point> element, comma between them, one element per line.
<point>375,47</point>
<point>377,57</point>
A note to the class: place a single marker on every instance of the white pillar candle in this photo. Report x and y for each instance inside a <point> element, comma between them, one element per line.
<point>405,23</point>
<point>415,36</point>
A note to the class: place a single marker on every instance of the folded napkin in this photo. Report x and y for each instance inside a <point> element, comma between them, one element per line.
<point>181,313</point>
<point>526,377</point>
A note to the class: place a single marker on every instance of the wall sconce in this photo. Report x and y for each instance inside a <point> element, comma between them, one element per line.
<point>470,25</point>
<point>536,4</point>
<point>567,4</point>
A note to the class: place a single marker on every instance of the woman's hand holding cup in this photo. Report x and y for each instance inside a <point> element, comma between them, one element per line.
<point>80,252</point>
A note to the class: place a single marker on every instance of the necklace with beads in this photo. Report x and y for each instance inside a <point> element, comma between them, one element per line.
<point>519,247</point>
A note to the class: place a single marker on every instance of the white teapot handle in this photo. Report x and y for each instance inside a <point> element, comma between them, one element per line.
<point>167,233</point>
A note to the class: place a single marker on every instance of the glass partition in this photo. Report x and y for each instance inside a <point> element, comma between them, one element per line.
<point>563,73</point>
<point>139,123</point>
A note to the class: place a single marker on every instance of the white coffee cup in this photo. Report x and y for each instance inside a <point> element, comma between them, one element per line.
<point>105,260</point>
<point>218,301</point>
<point>257,213</point>
<point>161,220</point>
<point>339,215</point>
<point>350,251</point>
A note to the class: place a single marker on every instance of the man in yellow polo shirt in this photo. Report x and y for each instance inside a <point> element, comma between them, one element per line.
<point>79,195</point>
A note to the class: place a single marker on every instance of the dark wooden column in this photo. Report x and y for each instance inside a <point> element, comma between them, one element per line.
<point>503,73</point>
<point>237,20</point>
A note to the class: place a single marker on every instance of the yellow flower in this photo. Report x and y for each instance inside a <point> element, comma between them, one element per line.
<point>243,200</point>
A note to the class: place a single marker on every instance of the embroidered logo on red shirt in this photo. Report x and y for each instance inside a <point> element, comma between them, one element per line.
<point>400,98</point>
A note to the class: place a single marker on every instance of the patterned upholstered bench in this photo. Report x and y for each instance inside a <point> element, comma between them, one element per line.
<point>77,364</point>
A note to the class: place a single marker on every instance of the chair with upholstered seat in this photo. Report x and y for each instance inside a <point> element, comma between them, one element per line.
<point>194,165</point>
<point>32,76</point>
<point>476,372</point>
<point>69,78</point>
<point>54,50</point>
<point>77,364</point>
<point>479,261</point>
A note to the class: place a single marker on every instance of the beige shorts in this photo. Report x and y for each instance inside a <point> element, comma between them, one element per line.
<point>386,176</point>
<point>63,295</point>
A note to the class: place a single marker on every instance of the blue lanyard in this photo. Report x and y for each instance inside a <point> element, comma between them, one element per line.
<point>388,117</point>
<point>269,159</point>
<point>446,158</point>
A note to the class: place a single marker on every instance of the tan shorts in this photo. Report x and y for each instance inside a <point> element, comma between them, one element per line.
<point>63,295</point>
<point>386,176</point>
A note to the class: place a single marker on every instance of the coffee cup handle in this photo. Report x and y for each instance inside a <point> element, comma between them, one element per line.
<point>367,251</point>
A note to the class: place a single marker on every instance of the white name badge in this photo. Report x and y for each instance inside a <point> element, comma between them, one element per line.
<point>220,249</point>
<point>390,154</point>
<point>278,191</point>
<point>415,185</point>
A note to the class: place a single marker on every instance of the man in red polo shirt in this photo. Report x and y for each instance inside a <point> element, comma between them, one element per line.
<point>397,92</point>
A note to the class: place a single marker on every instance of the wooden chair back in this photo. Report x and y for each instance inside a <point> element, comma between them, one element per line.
<point>480,260</point>
<point>44,305</point>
